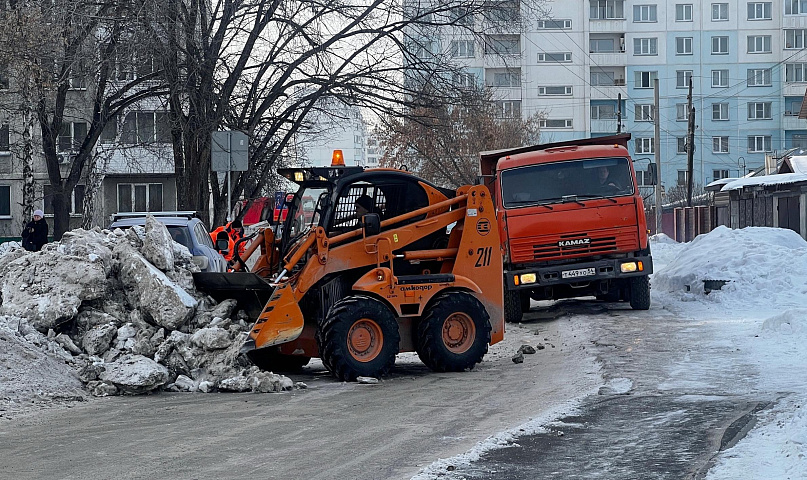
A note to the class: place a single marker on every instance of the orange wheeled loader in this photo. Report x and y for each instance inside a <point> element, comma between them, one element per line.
<point>355,283</point>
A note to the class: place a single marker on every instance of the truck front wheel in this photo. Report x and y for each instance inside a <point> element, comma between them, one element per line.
<point>640,292</point>
<point>513,312</point>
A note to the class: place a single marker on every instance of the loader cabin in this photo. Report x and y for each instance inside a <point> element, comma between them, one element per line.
<point>329,197</point>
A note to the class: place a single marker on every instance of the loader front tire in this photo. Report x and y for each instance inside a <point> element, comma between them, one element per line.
<point>358,338</point>
<point>454,333</point>
<point>640,292</point>
<point>513,311</point>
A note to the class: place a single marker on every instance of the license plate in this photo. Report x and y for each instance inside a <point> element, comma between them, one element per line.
<point>580,272</point>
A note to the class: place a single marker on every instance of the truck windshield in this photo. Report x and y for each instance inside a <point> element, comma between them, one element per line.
<point>570,180</point>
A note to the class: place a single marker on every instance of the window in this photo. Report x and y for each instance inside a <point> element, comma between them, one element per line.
<point>5,143</point>
<point>681,112</point>
<point>645,46</point>
<point>795,7</point>
<point>5,200</point>
<point>759,44</point>
<point>508,78</point>
<point>682,177</point>
<point>145,127</point>
<point>558,123</point>
<point>464,80</point>
<point>720,12</point>
<point>720,111</point>
<point>644,13</point>
<point>643,113</point>
<point>720,78</point>
<point>795,72</point>
<point>462,48</point>
<point>71,136</point>
<point>77,76</point>
<point>509,108</point>
<point>683,12</point>
<point>503,45</point>
<point>759,110</point>
<point>792,106</point>
<point>800,141</point>
<point>4,80</point>
<point>683,78</point>
<point>720,145</point>
<point>603,112</point>
<point>759,77</point>
<point>76,200</point>
<point>602,45</point>
<point>644,177</point>
<point>554,57</point>
<point>718,174</point>
<point>554,24</point>
<point>555,91</point>
<point>645,79</point>
<point>607,9</point>
<point>681,145</point>
<point>461,16</point>
<point>759,143</point>
<point>720,45</point>
<point>604,79</point>
<point>795,38</point>
<point>759,10</point>
<point>683,45</point>
<point>501,11</point>
<point>140,197</point>
<point>644,145</point>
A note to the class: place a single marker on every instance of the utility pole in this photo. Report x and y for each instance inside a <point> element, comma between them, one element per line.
<point>657,151</point>
<point>690,143</point>
<point>619,113</point>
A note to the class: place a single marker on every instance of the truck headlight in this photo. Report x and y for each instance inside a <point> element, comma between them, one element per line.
<point>628,267</point>
<point>201,261</point>
<point>528,278</point>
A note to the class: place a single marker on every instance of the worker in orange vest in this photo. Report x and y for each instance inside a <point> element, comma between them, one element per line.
<point>232,232</point>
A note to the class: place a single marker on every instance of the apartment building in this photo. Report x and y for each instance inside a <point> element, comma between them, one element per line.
<point>746,60</point>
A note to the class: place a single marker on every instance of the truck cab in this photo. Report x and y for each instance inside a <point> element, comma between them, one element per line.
<point>572,222</point>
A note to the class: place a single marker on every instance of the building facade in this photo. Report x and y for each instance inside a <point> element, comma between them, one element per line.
<point>746,60</point>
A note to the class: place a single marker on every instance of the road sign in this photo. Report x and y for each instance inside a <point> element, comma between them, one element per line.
<point>229,151</point>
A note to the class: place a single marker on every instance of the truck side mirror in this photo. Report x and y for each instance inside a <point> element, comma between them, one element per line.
<point>371,223</point>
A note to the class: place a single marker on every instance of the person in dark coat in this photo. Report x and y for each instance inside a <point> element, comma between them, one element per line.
<point>35,233</point>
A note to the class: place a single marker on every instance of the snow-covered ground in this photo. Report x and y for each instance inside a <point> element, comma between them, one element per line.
<point>762,311</point>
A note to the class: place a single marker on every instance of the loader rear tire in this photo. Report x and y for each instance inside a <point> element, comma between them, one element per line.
<point>640,292</point>
<point>358,338</point>
<point>454,333</point>
<point>513,313</point>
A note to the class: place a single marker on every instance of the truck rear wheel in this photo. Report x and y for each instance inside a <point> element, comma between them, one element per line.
<point>513,312</point>
<point>454,333</point>
<point>640,292</point>
<point>358,338</point>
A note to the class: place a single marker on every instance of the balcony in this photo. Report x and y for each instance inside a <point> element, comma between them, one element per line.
<point>793,122</point>
<point>603,126</point>
<point>794,89</point>
<point>615,25</point>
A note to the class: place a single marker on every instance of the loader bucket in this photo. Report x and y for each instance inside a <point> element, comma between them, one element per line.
<point>250,290</point>
<point>280,322</point>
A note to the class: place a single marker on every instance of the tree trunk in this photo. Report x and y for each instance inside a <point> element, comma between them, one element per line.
<point>61,211</point>
<point>28,186</point>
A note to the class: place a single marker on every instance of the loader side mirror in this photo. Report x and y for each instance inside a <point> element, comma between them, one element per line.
<point>372,224</point>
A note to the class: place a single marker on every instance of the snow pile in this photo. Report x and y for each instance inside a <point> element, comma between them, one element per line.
<point>762,313</point>
<point>752,260</point>
<point>117,313</point>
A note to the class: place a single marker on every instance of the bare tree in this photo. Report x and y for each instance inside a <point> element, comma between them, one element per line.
<point>443,143</point>
<point>263,67</point>
<point>91,63</point>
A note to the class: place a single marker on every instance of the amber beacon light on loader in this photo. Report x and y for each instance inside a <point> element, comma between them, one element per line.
<point>381,262</point>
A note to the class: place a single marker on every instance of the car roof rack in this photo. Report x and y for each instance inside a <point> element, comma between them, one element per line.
<point>180,214</point>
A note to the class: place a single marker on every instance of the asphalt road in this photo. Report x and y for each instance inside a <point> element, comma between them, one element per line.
<point>330,430</point>
<point>691,396</point>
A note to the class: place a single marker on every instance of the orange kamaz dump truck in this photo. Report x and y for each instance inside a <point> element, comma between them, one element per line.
<point>571,221</point>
